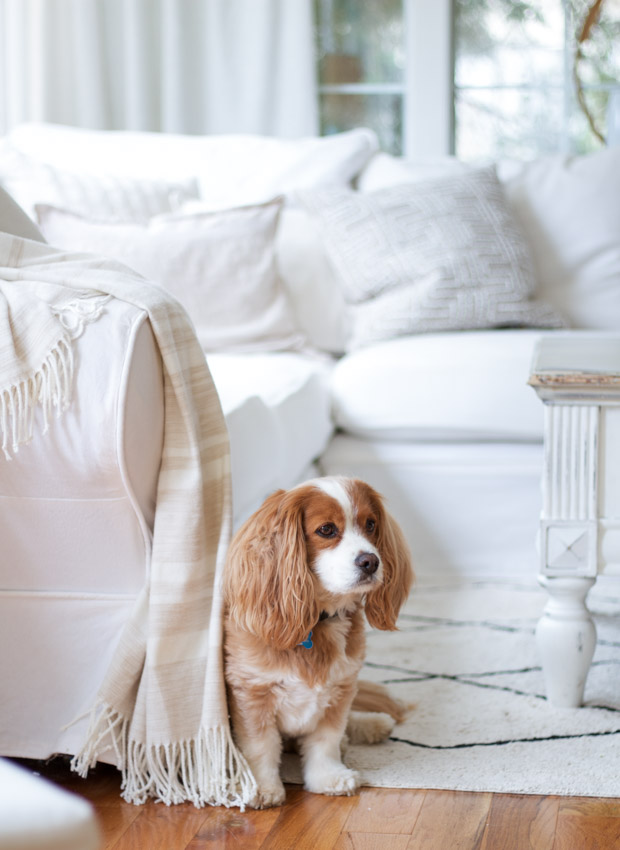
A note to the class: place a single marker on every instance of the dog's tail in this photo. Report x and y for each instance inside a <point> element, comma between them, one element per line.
<point>376,698</point>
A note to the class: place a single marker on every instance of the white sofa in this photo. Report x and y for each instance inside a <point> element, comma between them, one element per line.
<point>319,362</point>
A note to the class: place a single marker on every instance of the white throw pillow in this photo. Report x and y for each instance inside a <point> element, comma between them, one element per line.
<point>384,170</point>
<point>311,281</point>
<point>232,170</point>
<point>103,196</point>
<point>569,208</point>
<point>443,254</point>
<point>219,265</point>
<point>14,220</point>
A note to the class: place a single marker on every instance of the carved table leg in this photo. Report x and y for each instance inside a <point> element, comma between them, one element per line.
<point>566,637</point>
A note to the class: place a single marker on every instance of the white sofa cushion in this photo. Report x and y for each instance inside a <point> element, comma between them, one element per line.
<point>220,265</point>
<point>311,281</point>
<point>306,269</point>
<point>231,169</point>
<point>569,208</point>
<point>441,254</point>
<point>384,170</point>
<point>14,220</point>
<point>112,197</point>
<point>444,386</point>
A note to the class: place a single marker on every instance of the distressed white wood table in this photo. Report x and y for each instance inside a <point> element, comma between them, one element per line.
<point>578,379</point>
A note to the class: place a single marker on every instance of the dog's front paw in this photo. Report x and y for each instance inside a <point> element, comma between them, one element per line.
<point>269,794</point>
<point>337,781</point>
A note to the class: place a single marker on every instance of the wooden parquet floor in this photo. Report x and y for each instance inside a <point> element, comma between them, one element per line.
<point>376,819</point>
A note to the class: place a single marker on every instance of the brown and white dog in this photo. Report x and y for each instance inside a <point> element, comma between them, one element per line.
<point>300,574</point>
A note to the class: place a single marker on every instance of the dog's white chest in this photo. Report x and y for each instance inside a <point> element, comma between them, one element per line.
<point>299,707</point>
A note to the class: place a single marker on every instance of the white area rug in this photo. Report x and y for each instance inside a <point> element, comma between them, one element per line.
<point>466,656</point>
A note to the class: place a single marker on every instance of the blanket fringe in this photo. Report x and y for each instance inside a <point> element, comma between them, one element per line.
<point>206,771</point>
<point>50,386</point>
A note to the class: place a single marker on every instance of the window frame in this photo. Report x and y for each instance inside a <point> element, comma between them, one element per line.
<point>429,91</point>
<point>427,87</point>
<point>429,78</point>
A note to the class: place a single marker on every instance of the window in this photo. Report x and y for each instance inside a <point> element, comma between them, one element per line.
<point>480,78</point>
<point>361,59</point>
<point>515,93</point>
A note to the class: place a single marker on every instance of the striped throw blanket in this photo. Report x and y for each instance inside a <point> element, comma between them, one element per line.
<point>162,705</point>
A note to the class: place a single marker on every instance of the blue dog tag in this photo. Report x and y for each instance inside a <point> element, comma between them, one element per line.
<point>307,643</point>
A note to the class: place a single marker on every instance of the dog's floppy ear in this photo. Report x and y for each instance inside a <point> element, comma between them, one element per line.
<point>384,603</point>
<point>268,587</point>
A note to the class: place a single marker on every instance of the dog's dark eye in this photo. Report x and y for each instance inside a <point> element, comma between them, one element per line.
<point>328,529</point>
<point>370,525</point>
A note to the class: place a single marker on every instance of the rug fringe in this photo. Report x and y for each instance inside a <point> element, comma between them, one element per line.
<point>206,771</point>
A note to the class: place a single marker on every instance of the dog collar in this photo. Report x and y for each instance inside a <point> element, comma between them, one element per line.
<point>307,643</point>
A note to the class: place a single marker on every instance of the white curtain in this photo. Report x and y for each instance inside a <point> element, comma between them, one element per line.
<point>184,66</point>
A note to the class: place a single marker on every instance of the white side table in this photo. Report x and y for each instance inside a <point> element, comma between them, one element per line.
<point>578,379</point>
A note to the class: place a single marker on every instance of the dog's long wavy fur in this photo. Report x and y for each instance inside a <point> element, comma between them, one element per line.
<point>323,557</point>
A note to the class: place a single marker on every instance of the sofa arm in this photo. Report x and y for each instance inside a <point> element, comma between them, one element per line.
<point>76,527</point>
<point>78,501</point>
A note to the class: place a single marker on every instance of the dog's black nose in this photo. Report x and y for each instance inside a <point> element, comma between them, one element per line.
<point>367,562</point>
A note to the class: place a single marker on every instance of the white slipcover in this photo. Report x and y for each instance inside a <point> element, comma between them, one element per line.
<point>76,526</point>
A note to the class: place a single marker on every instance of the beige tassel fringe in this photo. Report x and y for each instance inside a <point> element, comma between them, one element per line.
<point>206,771</point>
<point>50,387</point>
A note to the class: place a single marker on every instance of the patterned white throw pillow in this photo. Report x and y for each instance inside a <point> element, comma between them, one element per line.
<point>435,255</point>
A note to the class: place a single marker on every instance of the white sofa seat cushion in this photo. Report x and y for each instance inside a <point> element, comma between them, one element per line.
<point>277,410</point>
<point>445,386</point>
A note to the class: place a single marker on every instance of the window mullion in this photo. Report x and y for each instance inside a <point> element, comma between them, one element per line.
<point>428,107</point>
